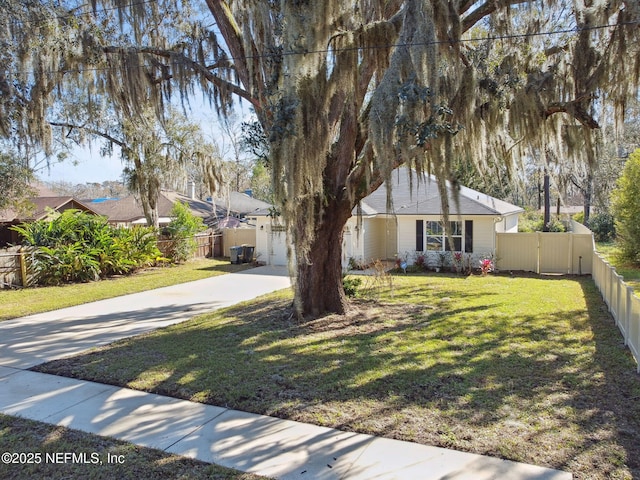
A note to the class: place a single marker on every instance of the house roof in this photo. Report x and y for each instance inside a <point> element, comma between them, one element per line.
<point>129,209</point>
<point>420,196</point>
<point>237,203</point>
<point>39,208</point>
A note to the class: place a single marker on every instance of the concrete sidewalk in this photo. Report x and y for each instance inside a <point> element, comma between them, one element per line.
<point>253,443</point>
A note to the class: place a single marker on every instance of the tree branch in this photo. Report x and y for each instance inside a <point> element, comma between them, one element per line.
<point>485,9</point>
<point>203,70</point>
<point>92,131</point>
<point>575,109</point>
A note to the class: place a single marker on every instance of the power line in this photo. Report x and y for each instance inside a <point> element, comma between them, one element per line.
<point>515,36</point>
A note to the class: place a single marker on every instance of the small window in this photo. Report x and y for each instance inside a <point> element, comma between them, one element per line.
<point>468,236</point>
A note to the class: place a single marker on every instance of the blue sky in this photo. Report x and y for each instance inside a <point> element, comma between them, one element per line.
<point>83,166</point>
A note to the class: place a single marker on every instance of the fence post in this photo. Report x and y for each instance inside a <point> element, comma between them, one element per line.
<point>570,255</point>
<point>23,269</point>
<point>538,237</point>
<point>628,316</point>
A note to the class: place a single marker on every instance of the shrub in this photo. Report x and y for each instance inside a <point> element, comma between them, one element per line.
<point>625,205</point>
<point>579,217</point>
<point>603,227</point>
<point>181,231</point>
<point>351,285</point>
<point>75,246</point>
<point>533,221</point>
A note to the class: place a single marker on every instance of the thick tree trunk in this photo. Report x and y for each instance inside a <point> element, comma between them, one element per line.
<point>318,285</point>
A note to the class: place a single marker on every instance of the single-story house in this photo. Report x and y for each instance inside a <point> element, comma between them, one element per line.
<point>36,208</point>
<point>412,227</point>
<point>127,211</point>
<point>235,209</point>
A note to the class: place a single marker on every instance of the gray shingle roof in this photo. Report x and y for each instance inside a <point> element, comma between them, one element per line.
<point>237,203</point>
<point>129,209</point>
<point>420,196</point>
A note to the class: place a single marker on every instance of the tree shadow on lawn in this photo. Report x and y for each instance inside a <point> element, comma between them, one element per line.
<point>555,389</point>
<point>611,403</point>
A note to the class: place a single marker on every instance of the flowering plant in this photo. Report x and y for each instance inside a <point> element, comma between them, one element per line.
<point>486,266</point>
<point>457,261</point>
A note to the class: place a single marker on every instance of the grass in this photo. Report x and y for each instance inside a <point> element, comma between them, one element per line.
<point>20,436</point>
<point>523,368</point>
<point>18,303</point>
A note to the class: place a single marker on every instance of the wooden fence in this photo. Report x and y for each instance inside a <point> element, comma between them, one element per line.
<point>208,245</point>
<point>13,267</point>
<point>623,304</point>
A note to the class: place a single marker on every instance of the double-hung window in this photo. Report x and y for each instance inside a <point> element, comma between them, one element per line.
<point>432,236</point>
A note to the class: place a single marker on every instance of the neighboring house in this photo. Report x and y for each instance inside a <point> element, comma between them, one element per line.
<point>237,209</point>
<point>38,208</point>
<point>412,227</point>
<point>127,211</point>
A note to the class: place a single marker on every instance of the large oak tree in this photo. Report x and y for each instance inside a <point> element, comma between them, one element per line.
<point>345,91</point>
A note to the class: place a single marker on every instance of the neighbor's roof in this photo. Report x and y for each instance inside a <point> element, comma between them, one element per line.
<point>420,196</point>
<point>39,208</point>
<point>129,209</point>
<point>239,204</point>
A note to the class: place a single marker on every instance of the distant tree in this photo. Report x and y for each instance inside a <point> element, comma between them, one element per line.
<point>625,204</point>
<point>157,153</point>
<point>15,179</point>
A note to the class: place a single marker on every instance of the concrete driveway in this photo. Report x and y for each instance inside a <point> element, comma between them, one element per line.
<point>29,341</point>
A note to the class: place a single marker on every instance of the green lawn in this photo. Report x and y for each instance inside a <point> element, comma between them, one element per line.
<point>525,368</point>
<point>18,303</point>
<point>20,436</point>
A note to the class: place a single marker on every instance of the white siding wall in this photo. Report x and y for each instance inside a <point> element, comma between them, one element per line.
<point>375,239</point>
<point>261,253</point>
<point>509,224</point>
<point>484,230</point>
<point>483,234</point>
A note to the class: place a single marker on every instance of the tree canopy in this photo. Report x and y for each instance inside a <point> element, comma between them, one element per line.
<point>344,91</point>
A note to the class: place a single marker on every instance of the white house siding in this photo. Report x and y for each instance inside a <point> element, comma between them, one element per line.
<point>484,229</point>
<point>508,224</point>
<point>271,242</point>
<point>262,244</point>
<point>483,235</point>
<point>374,239</point>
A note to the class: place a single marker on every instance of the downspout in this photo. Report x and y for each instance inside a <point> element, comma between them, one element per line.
<point>496,221</point>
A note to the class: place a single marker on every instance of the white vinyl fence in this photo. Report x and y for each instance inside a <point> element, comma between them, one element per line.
<point>623,304</point>
<point>566,253</point>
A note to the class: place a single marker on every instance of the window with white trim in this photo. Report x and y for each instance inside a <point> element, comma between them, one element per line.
<point>431,236</point>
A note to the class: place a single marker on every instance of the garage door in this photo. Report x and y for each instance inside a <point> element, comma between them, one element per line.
<point>277,246</point>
